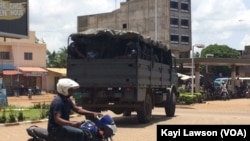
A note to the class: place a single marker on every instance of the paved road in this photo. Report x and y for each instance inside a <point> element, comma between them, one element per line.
<point>236,111</point>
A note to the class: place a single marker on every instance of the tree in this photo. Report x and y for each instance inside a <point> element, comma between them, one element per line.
<point>54,59</point>
<point>62,58</point>
<point>219,51</point>
<point>57,59</point>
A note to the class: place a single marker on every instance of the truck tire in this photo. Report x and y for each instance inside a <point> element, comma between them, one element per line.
<point>144,113</point>
<point>170,104</point>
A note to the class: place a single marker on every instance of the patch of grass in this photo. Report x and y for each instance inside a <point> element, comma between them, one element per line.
<point>14,114</point>
<point>32,114</point>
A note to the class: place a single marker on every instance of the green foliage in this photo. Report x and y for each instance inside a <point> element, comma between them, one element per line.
<point>219,51</point>
<point>32,114</point>
<point>198,97</point>
<point>57,59</point>
<point>36,112</point>
<point>44,113</point>
<point>181,90</point>
<point>41,106</point>
<point>12,116</point>
<point>188,98</point>
<point>3,117</point>
<point>20,116</point>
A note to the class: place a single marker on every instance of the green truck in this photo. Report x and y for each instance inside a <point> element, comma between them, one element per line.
<point>122,71</point>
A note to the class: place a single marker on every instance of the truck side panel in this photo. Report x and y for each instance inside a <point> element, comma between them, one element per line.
<point>160,75</point>
<point>103,73</point>
<point>154,75</point>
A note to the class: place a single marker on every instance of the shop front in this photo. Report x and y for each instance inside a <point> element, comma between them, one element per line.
<point>9,76</point>
<point>32,77</point>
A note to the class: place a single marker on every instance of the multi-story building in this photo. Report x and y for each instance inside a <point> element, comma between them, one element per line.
<point>168,21</point>
<point>22,62</point>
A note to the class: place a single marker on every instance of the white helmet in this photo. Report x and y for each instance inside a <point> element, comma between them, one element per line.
<point>64,84</point>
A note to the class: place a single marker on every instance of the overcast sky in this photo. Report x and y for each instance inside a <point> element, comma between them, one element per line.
<point>224,22</point>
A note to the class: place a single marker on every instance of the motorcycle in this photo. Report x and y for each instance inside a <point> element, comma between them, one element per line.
<point>224,94</point>
<point>102,129</point>
<point>243,92</point>
<point>29,93</point>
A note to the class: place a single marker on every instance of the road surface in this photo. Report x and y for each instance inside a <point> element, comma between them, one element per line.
<point>235,111</point>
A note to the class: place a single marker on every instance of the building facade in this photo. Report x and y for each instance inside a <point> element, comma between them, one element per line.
<point>168,21</point>
<point>22,62</point>
<point>54,74</point>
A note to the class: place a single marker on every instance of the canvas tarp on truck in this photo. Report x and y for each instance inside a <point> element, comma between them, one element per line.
<point>117,34</point>
<point>114,43</point>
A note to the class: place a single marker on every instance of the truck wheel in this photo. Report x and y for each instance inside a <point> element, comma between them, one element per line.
<point>144,113</point>
<point>170,104</point>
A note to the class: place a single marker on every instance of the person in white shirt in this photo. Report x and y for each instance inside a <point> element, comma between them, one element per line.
<point>224,87</point>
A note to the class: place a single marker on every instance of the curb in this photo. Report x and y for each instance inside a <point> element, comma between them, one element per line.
<point>31,122</point>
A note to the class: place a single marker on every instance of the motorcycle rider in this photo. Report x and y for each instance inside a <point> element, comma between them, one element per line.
<point>59,124</point>
<point>223,88</point>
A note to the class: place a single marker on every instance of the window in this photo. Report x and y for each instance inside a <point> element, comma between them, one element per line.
<point>184,23</point>
<point>174,5</point>
<point>4,55</point>
<point>27,56</point>
<point>174,38</point>
<point>174,22</point>
<point>184,7</point>
<point>184,39</point>
<point>124,26</point>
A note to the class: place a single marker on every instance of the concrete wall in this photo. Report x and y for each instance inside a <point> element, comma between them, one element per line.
<point>139,15</point>
<point>51,81</point>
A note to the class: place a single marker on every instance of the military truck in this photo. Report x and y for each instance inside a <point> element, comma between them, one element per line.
<point>122,71</point>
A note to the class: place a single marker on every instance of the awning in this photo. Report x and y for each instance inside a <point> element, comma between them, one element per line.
<point>33,71</point>
<point>11,72</point>
<point>61,71</point>
<point>184,76</point>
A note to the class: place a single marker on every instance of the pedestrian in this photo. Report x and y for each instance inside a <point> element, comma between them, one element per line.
<point>237,84</point>
<point>59,123</point>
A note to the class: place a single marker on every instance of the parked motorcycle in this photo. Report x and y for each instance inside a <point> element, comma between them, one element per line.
<point>243,92</point>
<point>102,129</point>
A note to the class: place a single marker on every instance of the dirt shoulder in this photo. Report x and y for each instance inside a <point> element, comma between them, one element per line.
<point>24,101</point>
